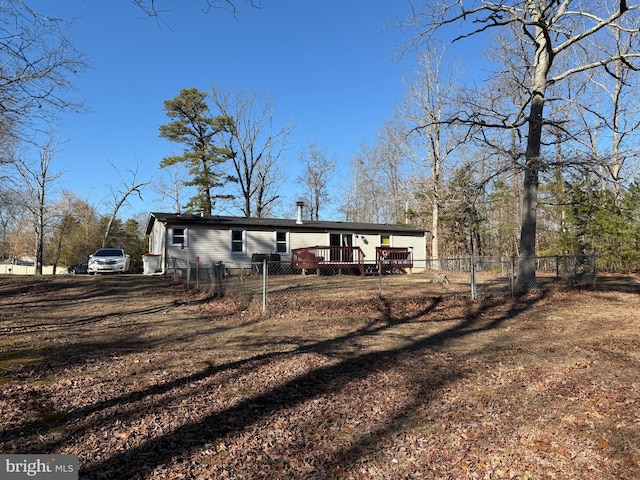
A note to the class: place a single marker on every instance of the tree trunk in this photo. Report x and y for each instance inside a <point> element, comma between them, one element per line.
<point>435,214</point>
<point>527,262</point>
<point>434,233</point>
<point>40,245</point>
<point>208,198</point>
<point>40,221</point>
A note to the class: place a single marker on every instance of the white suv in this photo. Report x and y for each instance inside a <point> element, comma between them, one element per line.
<point>108,260</point>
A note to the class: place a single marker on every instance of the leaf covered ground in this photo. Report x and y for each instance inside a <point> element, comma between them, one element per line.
<point>144,379</point>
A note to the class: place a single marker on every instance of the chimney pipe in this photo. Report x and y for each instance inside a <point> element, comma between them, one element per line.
<point>299,205</point>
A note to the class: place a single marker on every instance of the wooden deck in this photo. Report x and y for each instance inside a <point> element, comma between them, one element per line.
<point>318,258</point>
<point>394,260</point>
<point>339,259</point>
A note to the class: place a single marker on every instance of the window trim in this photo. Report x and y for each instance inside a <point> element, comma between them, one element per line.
<point>244,241</point>
<point>286,242</point>
<point>185,236</point>
<point>390,240</point>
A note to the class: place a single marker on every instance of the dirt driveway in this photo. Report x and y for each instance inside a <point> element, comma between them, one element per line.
<point>142,378</point>
<point>70,301</point>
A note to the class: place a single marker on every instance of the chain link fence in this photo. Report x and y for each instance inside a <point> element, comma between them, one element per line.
<point>249,282</point>
<point>497,275</point>
<point>484,275</point>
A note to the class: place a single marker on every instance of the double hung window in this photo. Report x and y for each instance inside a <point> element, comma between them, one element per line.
<point>282,242</point>
<point>179,236</point>
<point>238,241</point>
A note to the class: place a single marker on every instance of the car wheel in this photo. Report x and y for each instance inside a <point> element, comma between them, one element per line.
<point>73,271</point>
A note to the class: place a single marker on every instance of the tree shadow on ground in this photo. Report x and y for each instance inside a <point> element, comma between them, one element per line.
<point>324,380</point>
<point>616,283</point>
<point>54,360</point>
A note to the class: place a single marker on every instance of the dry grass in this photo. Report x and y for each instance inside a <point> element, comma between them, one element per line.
<point>144,379</point>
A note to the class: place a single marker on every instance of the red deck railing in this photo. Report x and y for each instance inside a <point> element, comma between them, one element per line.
<point>314,258</point>
<point>390,259</point>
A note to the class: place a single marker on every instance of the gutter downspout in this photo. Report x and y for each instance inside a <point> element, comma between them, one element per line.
<point>164,249</point>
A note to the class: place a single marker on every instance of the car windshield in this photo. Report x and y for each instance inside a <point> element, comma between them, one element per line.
<point>109,252</point>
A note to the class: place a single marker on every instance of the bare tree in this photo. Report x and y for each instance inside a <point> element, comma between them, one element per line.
<point>318,171</point>
<point>362,202</point>
<point>36,181</point>
<point>378,189</point>
<point>256,147</point>
<point>77,231</point>
<point>607,109</point>
<point>543,32</point>
<point>120,195</point>
<point>38,62</point>
<point>153,8</point>
<point>171,187</point>
<point>390,160</point>
<point>430,102</point>
<point>62,226</point>
<point>21,242</point>
<point>10,212</point>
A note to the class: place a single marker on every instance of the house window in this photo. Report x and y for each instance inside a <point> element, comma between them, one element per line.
<point>179,236</point>
<point>237,241</point>
<point>282,242</point>
<point>385,240</point>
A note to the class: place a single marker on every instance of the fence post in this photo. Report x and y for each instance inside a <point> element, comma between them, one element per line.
<point>512,276</point>
<point>264,285</point>
<point>473,279</point>
<point>217,276</point>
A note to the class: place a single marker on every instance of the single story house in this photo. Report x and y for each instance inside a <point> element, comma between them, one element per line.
<point>237,241</point>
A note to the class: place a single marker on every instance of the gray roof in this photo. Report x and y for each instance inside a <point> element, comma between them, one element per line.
<point>278,223</point>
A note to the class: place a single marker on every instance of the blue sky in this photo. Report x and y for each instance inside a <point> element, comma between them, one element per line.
<point>331,68</point>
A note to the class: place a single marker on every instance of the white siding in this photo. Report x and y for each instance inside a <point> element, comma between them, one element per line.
<point>157,239</point>
<point>368,244</point>
<point>207,244</point>
<point>260,242</point>
<point>401,241</point>
<point>213,244</point>
<point>369,241</point>
<point>308,239</point>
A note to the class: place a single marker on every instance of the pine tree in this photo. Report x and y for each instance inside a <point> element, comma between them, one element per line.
<point>193,126</point>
